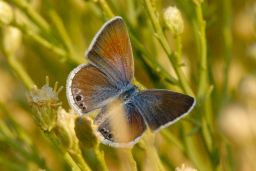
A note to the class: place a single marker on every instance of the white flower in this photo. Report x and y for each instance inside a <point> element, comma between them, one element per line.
<point>44,95</point>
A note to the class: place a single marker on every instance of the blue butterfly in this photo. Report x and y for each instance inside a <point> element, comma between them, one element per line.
<point>108,77</point>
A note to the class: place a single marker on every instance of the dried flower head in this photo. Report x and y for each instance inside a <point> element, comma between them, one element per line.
<point>173,20</point>
<point>6,13</point>
<point>45,103</point>
<point>184,168</point>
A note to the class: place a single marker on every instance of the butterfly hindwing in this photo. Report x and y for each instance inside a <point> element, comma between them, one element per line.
<point>120,124</point>
<point>161,108</point>
<point>88,89</point>
<point>111,52</point>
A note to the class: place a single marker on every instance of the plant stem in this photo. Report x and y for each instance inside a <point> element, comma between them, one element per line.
<point>20,71</point>
<point>105,7</point>
<point>195,149</point>
<point>203,78</point>
<point>152,157</point>
<point>32,14</point>
<point>204,89</point>
<point>72,155</point>
<point>179,49</point>
<point>71,162</point>
<point>77,157</point>
<point>227,35</point>
<point>45,27</point>
<point>100,159</point>
<point>157,68</point>
<point>65,37</point>
<point>40,40</point>
<point>164,43</point>
<point>128,163</point>
<point>172,138</point>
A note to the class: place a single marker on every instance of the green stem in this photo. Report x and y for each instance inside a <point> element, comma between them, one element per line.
<point>65,37</point>
<point>157,68</point>
<point>152,157</point>
<point>32,14</point>
<point>105,7</point>
<point>100,159</point>
<point>74,159</point>
<point>20,72</point>
<point>179,49</point>
<point>195,149</point>
<point>40,40</point>
<point>77,157</point>
<point>173,139</point>
<point>43,25</point>
<point>164,43</point>
<point>127,159</point>
<point>203,78</point>
<point>227,35</point>
<point>204,89</point>
<point>71,162</point>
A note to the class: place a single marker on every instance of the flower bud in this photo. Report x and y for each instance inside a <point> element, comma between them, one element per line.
<point>12,39</point>
<point>85,132</point>
<point>173,20</point>
<point>6,13</point>
<point>65,129</point>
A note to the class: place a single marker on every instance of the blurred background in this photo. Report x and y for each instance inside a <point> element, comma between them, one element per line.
<point>42,38</point>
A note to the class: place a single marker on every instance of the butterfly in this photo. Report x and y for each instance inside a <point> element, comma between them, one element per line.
<point>108,77</point>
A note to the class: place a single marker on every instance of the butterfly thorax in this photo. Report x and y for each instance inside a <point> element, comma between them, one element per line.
<point>128,92</point>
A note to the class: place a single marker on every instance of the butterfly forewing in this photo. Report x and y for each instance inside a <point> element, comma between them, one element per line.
<point>111,52</point>
<point>161,108</point>
<point>120,124</point>
<point>88,89</point>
